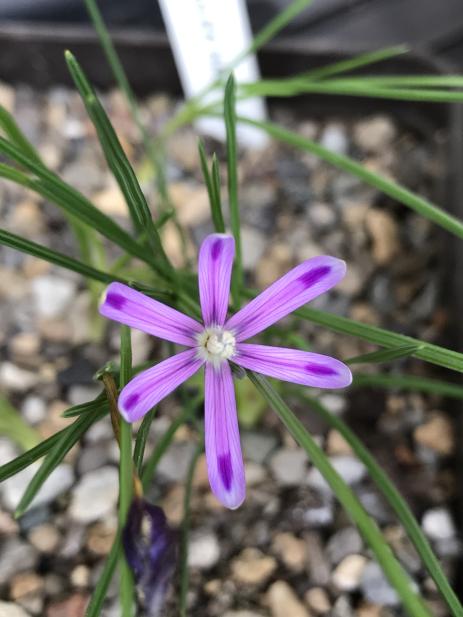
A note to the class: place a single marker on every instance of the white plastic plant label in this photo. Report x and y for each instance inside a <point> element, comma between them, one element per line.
<point>206,36</point>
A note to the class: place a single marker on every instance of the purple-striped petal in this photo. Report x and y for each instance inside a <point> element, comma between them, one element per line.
<point>149,387</point>
<point>214,272</point>
<point>132,308</point>
<point>297,287</point>
<point>223,451</point>
<point>306,368</point>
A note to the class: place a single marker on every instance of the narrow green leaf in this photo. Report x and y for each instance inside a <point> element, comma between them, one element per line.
<point>343,66</point>
<point>384,338</point>
<point>50,186</point>
<point>348,87</point>
<point>270,30</point>
<point>385,355</point>
<point>37,250</point>
<point>399,579</point>
<point>15,135</point>
<point>213,189</point>
<point>13,426</point>
<point>27,458</point>
<point>119,164</point>
<point>232,169</point>
<point>408,382</point>
<point>100,592</point>
<point>186,523</point>
<point>379,336</point>
<point>404,196</point>
<point>397,503</point>
<point>141,439</point>
<point>98,404</point>
<point>125,475</point>
<point>67,440</point>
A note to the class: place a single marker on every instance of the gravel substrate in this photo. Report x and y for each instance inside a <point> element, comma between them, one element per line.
<point>289,550</point>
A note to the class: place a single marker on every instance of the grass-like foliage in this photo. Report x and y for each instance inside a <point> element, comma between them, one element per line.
<point>23,166</point>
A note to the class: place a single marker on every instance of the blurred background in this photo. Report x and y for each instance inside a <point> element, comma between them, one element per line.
<point>290,550</point>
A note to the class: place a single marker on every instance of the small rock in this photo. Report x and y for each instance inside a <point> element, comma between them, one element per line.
<point>7,97</point>
<point>438,524</point>
<point>374,134</point>
<point>8,609</point>
<point>26,583</point>
<point>320,514</point>
<point>255,474</point>
<point>17,379</point>
<point>252,567</point>
<point>45,538</point>
<point>384,233</point>
<point>203,551</point>
<point>79,393</point>
<point>80,576</point>
<point>175,462</point>
<point>342,608</point>
<point>8,526</point>
<point>24,344</point>
<point>74,606</point>
<point>318,600</point>
<point>336,444</point>
<point>347,575</point>
<point>60,480</point>
<point>101,537</point>
<point>15,556</point>
<point>52,295</point>
<point>34,409</point>
<point>334,403</point>
<point>321,215</point>
<point>351,470</point>
<point>375,586</point>
<point>253,246</point>
<point>289,466</point>
<point>191,202</point>
<point>257,446</point>
<point>436,434</point>
<point>7,451</point>
<point>283,601</point>
<point>334,138</point>
<point>318,565</point>
<point>95,496</point>
<point>343,543</point>
<point>111,201</point>
<point>291,550</point>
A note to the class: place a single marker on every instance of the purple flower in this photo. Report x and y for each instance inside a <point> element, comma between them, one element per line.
<point>150,548</point>
<point>217,341</point>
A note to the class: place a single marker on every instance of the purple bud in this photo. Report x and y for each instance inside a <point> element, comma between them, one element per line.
<point>150,548</point>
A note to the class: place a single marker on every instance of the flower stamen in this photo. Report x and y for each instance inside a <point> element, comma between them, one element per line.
<point>216,344</point>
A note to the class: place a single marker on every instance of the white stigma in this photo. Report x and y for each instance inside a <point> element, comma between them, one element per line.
<point>216,345</point>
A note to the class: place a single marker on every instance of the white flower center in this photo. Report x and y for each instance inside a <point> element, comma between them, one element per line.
<point>216,345</point>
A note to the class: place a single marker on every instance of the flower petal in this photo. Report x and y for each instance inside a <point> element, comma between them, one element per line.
<point>132,308</point>
<point>214,272</point>
<point>308,369</point>
<point>301,284</point>
<point>223,450</point>
<point>149,387</point>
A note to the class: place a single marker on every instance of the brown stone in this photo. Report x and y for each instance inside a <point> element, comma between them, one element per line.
<point>291,550</point>
<point>74,606</point>
<point>436,434</point>
<point>252,567</point>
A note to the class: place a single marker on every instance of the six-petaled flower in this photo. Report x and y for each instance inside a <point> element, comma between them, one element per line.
<point>217,342</point>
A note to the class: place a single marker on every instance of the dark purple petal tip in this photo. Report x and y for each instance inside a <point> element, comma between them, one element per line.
<point>225,470</point>
<point>320,369</point>
<point>131,401</point>
<point>310,278</point>
<point>216,249</point>
<point>115,300</point>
